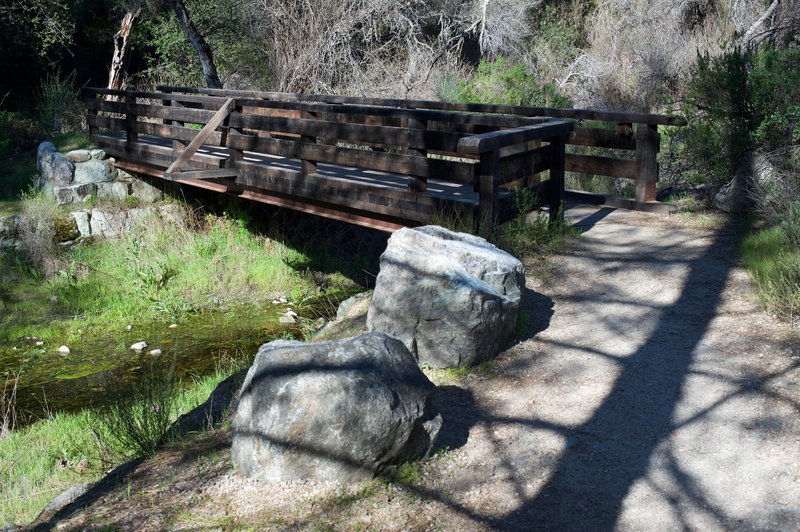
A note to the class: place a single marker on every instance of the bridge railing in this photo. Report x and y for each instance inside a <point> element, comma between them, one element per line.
<point>625,144</point>
<point>286,151</point>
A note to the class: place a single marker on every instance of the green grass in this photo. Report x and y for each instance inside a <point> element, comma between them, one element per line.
<point>161,272</point>
<point>40,461</point>
<point>774,263</point>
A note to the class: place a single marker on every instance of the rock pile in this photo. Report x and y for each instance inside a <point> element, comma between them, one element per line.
<point>78,175</point>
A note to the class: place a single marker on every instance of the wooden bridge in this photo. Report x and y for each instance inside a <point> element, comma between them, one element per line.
<point>375,162</point>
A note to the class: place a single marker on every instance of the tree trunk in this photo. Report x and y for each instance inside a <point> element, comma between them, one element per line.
<point>116,73</point>
<point>199,43</point>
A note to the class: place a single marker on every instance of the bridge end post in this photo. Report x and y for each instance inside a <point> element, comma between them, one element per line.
<point>647,147</point>
<point>555,188</point>
<point>488,179</point>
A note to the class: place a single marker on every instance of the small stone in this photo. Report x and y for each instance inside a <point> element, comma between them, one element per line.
<point>64,350</point>
<point>39,343</point>
<point>139,346</point>
<point>173,326</point>
<point>276,302</point>
<point>286,319</point>
<point>78,156</point>
<point>282,299</point>
<point>320,323</point>
<point>291,313</point>
<point>129,327</point>
<point>154,352</point>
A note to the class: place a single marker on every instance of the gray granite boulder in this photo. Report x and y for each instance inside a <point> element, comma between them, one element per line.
<point>112,190</point>
<point>110,222</point>
<point>341,410</point>
<point>451,298</point>
<point>145,192</point>
<point>94,171</point>
<point>74,193</point>
<point>54,166</point>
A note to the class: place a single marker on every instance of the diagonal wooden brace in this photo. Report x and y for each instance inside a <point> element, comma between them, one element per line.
<point>174,171</point>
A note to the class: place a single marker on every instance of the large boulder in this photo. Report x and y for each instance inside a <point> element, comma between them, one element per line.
<point>53,166</point>
<point>451,298</point>
<point>341,410</point>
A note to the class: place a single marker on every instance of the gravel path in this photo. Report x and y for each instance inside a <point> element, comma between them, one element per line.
<point>647,392</point>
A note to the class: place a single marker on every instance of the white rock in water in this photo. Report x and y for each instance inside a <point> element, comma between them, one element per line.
<point>139,346</point>
<point>64,350</point>
<point>154,352</point>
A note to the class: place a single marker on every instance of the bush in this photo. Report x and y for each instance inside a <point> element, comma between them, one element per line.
<point>501,82</point>
<point>37,231</point>
<point>142,410</point>
<point>60,109</point>
<point>741,100</point>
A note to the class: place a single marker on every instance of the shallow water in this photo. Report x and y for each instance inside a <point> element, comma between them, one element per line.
<point>50,382</point>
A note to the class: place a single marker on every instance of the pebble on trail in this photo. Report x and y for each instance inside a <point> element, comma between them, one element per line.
<point>139,346</point>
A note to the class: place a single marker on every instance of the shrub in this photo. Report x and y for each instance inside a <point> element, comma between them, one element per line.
<point>502,82</point>
<point>60,108</point>
<point>37,231</point>
<point>141,411</point>
<point>741,100</point>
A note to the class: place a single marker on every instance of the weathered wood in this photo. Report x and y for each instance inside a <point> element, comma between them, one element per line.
<point>593,164</point>
<point>458,171</point>
<point>555,189</point>
<point>364,220</point>
<point>488,182</point>
<point>212,173</point>
<point>130,120</point>
<point>176,167</point>
<point>647,146</point>
<point>149,154</point>
<point>524,164</point>
<point>508,137</point>
<point>397,203</point>
<point>601,138</point>
<point>576,114</point>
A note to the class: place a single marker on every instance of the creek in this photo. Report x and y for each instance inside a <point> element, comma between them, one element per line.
<point>200,345</point>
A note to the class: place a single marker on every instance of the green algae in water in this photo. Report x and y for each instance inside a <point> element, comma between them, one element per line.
<point>200,345</point>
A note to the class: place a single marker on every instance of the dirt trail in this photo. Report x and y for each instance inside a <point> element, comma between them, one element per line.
<point>647,392</point>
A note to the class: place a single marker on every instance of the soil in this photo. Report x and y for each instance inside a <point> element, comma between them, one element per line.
<point>647,390</point>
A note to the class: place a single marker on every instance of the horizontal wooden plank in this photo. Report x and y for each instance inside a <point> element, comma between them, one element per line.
<point>397,203</point>
<point>211,173</point>
<point>601,138</point>
<point>445,170</point>
<point>330,212</point>
<point>575,114</point>
<point>508,137</point>
<point>524,164</point>
<point>181,114</point>
<point>148,154</point>
<point>592,164</point>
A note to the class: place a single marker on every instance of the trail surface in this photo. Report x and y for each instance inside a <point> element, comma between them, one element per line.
<point>647,391</point>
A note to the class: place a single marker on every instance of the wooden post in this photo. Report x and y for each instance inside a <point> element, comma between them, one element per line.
<point>416,183</point>
<point>93,129</point>
<point>487,188</point>
<point>555,188</point>
<point>307,166</point>
<point>130,122</point>
<point>647,146</point>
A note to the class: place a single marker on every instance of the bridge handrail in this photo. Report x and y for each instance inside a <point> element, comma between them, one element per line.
<point>622,117</point>
<point>495,140</point>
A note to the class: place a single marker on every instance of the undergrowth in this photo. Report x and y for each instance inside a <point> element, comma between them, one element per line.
<point>773,260</point>
<point>40,461</point>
